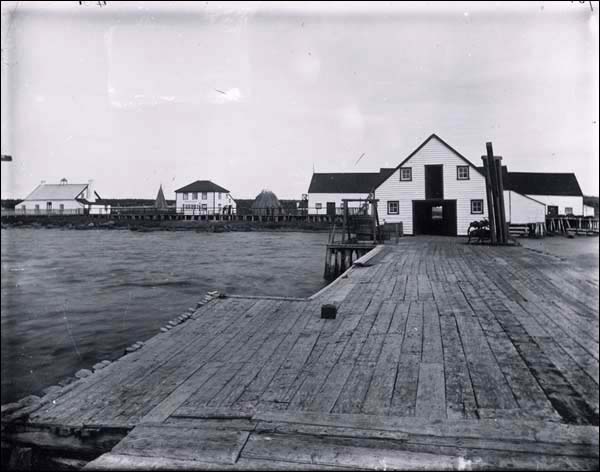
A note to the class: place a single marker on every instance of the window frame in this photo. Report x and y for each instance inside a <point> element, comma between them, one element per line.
<point>318,206</point>
<point>185,195</point>
<point>194,195</point>
<point>397,212</point>
<point>458,169</point>
<point>569,212</point>
<point>204,195</point>
<point>477,212</point>
<point>409,169</point>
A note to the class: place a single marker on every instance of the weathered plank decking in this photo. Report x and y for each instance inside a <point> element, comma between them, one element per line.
<point>442,355</point>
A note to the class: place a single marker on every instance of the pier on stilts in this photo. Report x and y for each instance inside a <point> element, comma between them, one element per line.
<point>359,233</point>
<point>440,355</point>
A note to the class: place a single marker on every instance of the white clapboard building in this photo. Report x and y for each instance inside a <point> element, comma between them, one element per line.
<point>204,197</point>
<point>63,198</point>
<point>437,190</point>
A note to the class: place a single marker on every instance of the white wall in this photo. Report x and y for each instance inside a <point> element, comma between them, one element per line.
<point>463,191</point>
<point>323,198</point>
<point>99,209</point>
<point>212,202</point>
<point>588,210</point>
<point>521,209</point>
<point>561,201</point>
<point>70,205</point>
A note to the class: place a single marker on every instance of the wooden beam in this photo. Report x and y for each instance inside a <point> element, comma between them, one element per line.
<point>490,203</point>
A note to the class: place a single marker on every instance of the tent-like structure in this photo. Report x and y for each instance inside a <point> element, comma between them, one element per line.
<point>267,204</point>
<point>160,203</point>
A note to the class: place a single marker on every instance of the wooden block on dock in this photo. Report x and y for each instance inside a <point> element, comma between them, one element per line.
<point>328,311</point>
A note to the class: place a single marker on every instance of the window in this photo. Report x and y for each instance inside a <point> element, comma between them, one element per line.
<point>185,196</point>
<point>195,196</point>
<point>219,195</point>
<point>568,210</point>
<point>476,207</point>
<point>37,208</point>
<point>318,206</point>
<point>48,205</point>
<point>393,207</point>
<point>405,174</point>
<point>204,207</point>
<point>437,213</point>
<point>204,197</point>
<point>462,172</point>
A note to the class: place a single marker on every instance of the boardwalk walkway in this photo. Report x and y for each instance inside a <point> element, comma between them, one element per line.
<point>443,355</point>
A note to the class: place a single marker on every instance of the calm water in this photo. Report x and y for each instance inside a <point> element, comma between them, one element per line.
<point>73,298</point>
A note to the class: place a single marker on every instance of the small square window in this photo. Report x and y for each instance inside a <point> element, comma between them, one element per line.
<point>318,206</point>
<point>462,172</point>
<point>568,210</point>
<point>476,207</point>
<point>393,207</point>
<point>204,196</point>
<point>204,207</point>
<point>195,196</point>
<point>406,174</point>
<point>185,196</point>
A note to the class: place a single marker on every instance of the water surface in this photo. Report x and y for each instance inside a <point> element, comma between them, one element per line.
<point>73,298</point>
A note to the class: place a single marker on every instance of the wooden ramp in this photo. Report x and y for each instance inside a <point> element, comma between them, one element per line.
<point>441,353</point>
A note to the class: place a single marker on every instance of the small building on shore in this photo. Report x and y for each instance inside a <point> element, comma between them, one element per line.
<point>63,199</point>
<point>266,203</point>
<point>327,190</point>
<point>204,197</point>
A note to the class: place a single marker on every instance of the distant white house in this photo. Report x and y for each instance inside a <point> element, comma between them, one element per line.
<point>63,198</point>
<point>204,197</point>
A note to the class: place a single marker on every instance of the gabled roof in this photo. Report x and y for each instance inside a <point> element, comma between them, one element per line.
<point>445,144</point>
<point>202,186</point>
<point>57,192</point>
<point>538,183</point>
<point>348,182</point>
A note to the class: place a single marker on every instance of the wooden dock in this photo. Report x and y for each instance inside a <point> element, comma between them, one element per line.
<point>442,356</point>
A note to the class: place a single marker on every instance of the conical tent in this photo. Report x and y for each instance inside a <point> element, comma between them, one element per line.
<point>160,203</point>
<point>266,203</point>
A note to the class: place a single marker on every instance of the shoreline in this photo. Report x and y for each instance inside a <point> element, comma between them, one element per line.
<point>147,226</point>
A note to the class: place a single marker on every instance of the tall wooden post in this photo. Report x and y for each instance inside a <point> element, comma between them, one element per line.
<point>501,200</point>
<point>495,196</point>
<point>490,203</point>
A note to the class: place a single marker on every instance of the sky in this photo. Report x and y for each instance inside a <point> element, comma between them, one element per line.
<point>253,95</point>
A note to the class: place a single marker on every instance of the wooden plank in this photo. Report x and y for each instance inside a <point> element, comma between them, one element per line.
<point>460,398</point>
<point>489,384</point>
<point>342,452</point>
<point>432,338</point>
<point>431,399</point>
<point>381,388</point>
<point>500,429</point>
<point>193,444</point>
<point>470,445</point>
<point>404,398</point>
<point>113,461</point>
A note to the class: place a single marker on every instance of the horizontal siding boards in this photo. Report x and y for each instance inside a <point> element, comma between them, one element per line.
<point>463,191</point>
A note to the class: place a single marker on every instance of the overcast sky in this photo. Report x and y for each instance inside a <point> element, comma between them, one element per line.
<point>252,96</point>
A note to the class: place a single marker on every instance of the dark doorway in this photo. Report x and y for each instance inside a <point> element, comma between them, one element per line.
<point>331,209</point>
<point>434,217</point>
<point>434,182</point>
<point>552,210</point>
